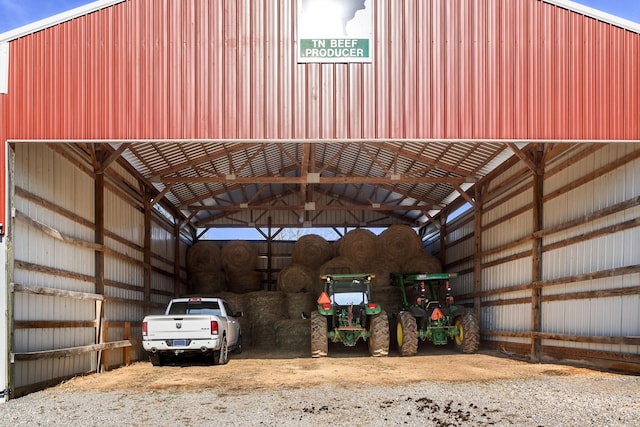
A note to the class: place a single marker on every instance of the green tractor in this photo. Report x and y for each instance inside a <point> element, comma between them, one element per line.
<point>346,314</point>
<point>428,313</point>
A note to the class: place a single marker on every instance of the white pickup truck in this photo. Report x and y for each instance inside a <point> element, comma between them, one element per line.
<point>193,325</point>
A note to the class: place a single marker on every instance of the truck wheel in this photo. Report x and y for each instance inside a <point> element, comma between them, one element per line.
<point>155,359</point>
<point>379,339</point>
<point>407,334</point>
<point>221,357</point>
<point>238,348</point>
<point>468,340</point>
<point>319,344</point>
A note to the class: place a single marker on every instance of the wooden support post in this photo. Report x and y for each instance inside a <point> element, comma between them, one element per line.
<point>269,253</point>
<point>126,350</point>
<point>443,240</point>
<point>477,245</point>
<point>98,204</point>
<point>536,252</point>
<point>105,353</point>
<point>147,251</point>
<point>176,260</point>
<point>98,326</point>
<point>99,231</point>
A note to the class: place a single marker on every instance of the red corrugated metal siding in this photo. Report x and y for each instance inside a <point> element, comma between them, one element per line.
<point>226,69</point>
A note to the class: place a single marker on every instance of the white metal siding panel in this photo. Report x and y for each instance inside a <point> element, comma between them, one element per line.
<point>123,271</point>
<point>123,219</point>
<point>45,174</point>
<point>511,273</point>
<point>162,241</point>
<point>607,316</point>
<point>515,317</point>
<point>513,228</point>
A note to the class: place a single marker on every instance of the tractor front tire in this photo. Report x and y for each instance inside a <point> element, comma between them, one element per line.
<point>379,339</point>
<point>468,339</point>
<point>407,334</point>
<point>319,343</point>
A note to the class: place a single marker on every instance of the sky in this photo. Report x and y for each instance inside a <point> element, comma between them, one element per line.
<point>16,13</point>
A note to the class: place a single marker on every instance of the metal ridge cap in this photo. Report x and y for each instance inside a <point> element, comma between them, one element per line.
<point>68,15</point>
<point>596,14</point>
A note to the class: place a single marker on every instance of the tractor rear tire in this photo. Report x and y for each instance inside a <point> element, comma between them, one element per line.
<point>319,343</point>
<point>407,334</point>
<point>379,339</point>
<point>469,339</point>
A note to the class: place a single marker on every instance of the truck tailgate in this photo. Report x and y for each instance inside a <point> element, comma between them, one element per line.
<point>178,327</point>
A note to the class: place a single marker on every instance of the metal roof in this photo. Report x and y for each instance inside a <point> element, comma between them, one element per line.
<point>322,183</point>
<point>190,96</point>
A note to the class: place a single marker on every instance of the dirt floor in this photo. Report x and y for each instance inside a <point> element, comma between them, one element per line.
<point>258,370</point>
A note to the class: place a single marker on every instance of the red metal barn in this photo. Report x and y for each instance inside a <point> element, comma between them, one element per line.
<point>129,125</point>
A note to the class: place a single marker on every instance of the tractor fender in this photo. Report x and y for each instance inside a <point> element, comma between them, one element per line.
<point>417,311</point>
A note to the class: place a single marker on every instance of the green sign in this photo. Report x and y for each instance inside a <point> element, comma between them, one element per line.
<point>334,30</point>
<point>355,50</point>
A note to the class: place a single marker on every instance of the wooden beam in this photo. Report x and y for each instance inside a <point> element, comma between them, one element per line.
<point>537,251</point>
<point>147,250</point>
<point>37,290</point>
<point>53,324</point>
<point>522,156</point>
<point>477,246</point>
<point>99,220</point>
<point>163,193</point>
<point>334,207</point>
<point>56,234</point>
<point>264,179</point>
<point>70,351</point>
<point>113,156</point>
<point>463,194</point>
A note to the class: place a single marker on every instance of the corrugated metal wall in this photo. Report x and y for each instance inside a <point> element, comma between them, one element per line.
<point>590,303</point>
<point>46,262</point>
<point>227,69</point>
<point>54,257</point>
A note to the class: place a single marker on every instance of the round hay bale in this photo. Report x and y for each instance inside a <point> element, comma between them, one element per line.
<point>264,307</point>
<point>293,335</point>
<point>311,251</point>
<point>297,278</point>
<point>263,336</point>
<point>203,256</point>
<point>382,267</point>
<point>360,245</point>
<point>301,302</point>
<point>244,281</point>
<point>399,242</point>
<point>339,265</point>
<point>422,263</point>
<point>238,255</point>
<point>207,282</point>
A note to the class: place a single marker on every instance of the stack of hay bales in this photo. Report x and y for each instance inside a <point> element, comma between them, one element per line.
<point>300,282</point>
<point>279,319</point>
<point>264,309</point>
<point>239,261</point>
<point>204,267</point>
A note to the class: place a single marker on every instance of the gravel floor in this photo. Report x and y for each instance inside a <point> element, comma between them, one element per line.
<point>613,400</point>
